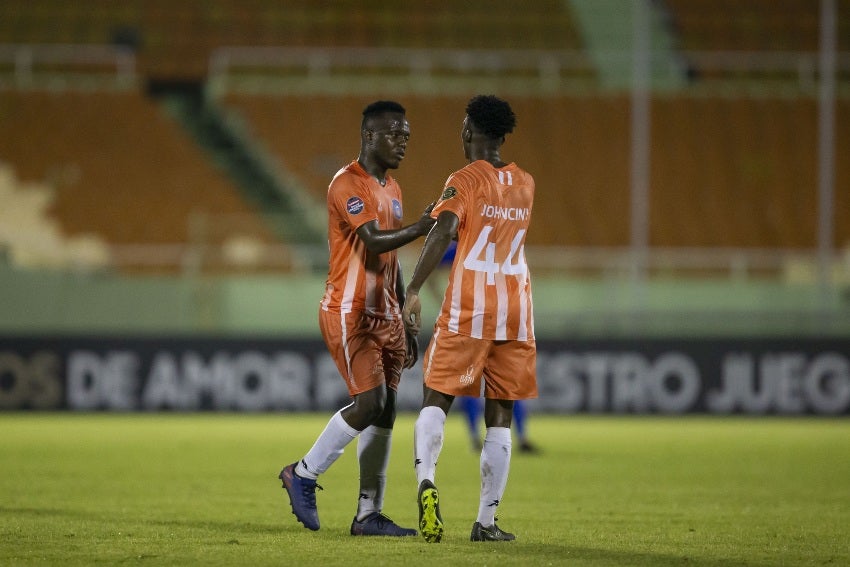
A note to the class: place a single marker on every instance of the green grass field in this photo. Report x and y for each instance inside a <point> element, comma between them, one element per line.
<point>202,489</point>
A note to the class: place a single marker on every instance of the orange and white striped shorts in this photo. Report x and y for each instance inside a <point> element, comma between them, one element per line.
<point>368,351</point>
<point>456,365</point>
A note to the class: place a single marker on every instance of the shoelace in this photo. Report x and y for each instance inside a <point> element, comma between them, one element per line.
<point>382,521</point>
<point>309,493</point>
<point>494,529</point>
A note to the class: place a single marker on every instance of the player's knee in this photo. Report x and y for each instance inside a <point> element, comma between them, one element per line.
<point>374,411</point>
<point>372,404</point>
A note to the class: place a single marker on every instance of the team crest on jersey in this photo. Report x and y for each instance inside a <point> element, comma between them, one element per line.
<point>396,209</point>
<point>354,205</point>
<point>449,193</point>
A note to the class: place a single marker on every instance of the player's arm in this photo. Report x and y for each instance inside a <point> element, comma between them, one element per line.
<point>412,354</point>
<point>444,231</point>
<point>379,241</point>
<point>399,285</point>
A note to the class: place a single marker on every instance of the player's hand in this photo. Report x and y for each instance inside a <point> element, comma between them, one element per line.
<point>412,313</point>
<point>425,220</point>
<point>412,354</point>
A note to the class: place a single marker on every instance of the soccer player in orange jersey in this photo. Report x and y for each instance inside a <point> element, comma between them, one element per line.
<point>360,320</point>
<point>485,329</point>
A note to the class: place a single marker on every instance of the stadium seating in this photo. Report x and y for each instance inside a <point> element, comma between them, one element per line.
<point>30,237</point>
<point>761,27</point>
<point>724,172</point>
<point>754,25</point>
<point>118,166</point>
<point>174,39</point>
<point>716,161</point>
<point>322,134</point>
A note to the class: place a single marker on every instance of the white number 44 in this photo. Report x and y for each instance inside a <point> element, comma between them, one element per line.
<point>482,257</point>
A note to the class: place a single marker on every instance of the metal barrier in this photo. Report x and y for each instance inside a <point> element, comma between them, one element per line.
<point>302,70</point>
<point>31,65</point>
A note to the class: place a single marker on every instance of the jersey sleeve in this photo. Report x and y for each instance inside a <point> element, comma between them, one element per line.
<point>353,201</point>
<point>454,196</point>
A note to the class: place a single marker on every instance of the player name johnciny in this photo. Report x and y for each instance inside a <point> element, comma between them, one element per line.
<point>509,213</point>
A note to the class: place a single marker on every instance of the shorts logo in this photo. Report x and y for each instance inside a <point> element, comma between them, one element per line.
<point>354,205</point>
<point>467,378</point>
<point>448,193</point>
<point>396,209</point>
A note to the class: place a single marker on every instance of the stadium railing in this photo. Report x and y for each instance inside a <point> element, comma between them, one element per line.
<point>284,69</point>
<point>29,65</point>
<point>528,71</point>
<point>276,68</point>
<point>223,245</point>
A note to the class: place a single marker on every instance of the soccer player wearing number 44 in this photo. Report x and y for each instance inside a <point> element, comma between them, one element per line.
<point>485,329</point>
<point>360,320</point>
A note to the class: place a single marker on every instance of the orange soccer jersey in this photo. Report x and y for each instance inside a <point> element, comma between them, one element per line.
<point>359,280</point>
<point>489,291</point>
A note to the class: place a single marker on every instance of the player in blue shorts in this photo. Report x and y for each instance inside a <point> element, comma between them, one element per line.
<point>472,409</point>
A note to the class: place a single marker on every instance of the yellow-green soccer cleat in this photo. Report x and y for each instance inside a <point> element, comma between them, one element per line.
<point>430,521</point>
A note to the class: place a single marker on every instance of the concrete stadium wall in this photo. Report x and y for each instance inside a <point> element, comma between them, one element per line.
<point>44,302</point>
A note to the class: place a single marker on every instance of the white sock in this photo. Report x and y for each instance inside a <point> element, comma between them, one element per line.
<point>495,464</point>
<point>428,442</point>
<point>327,448</point>
<point>373,453</point>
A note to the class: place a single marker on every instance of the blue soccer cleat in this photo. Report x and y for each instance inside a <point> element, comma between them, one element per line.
<point>302,496</point>
<point>377,524</point>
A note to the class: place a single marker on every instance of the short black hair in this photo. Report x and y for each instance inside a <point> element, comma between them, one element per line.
<point>492,115</point>
<point>380,107</point>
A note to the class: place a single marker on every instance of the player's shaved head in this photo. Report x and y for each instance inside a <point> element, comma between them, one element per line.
<point>379,108</point>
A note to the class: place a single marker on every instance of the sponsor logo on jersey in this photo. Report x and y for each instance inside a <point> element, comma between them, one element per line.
<point>396,209</point>
<point>467,378</point>
<point>354,205</point>
<point>448,193</point>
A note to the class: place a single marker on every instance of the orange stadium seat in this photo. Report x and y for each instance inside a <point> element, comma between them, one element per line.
<point>118,166</point>
<point>724,172</point>
<point>581,172</point>
<point>753,25</point>
<point>176,38</point>
<point>741,172</point>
